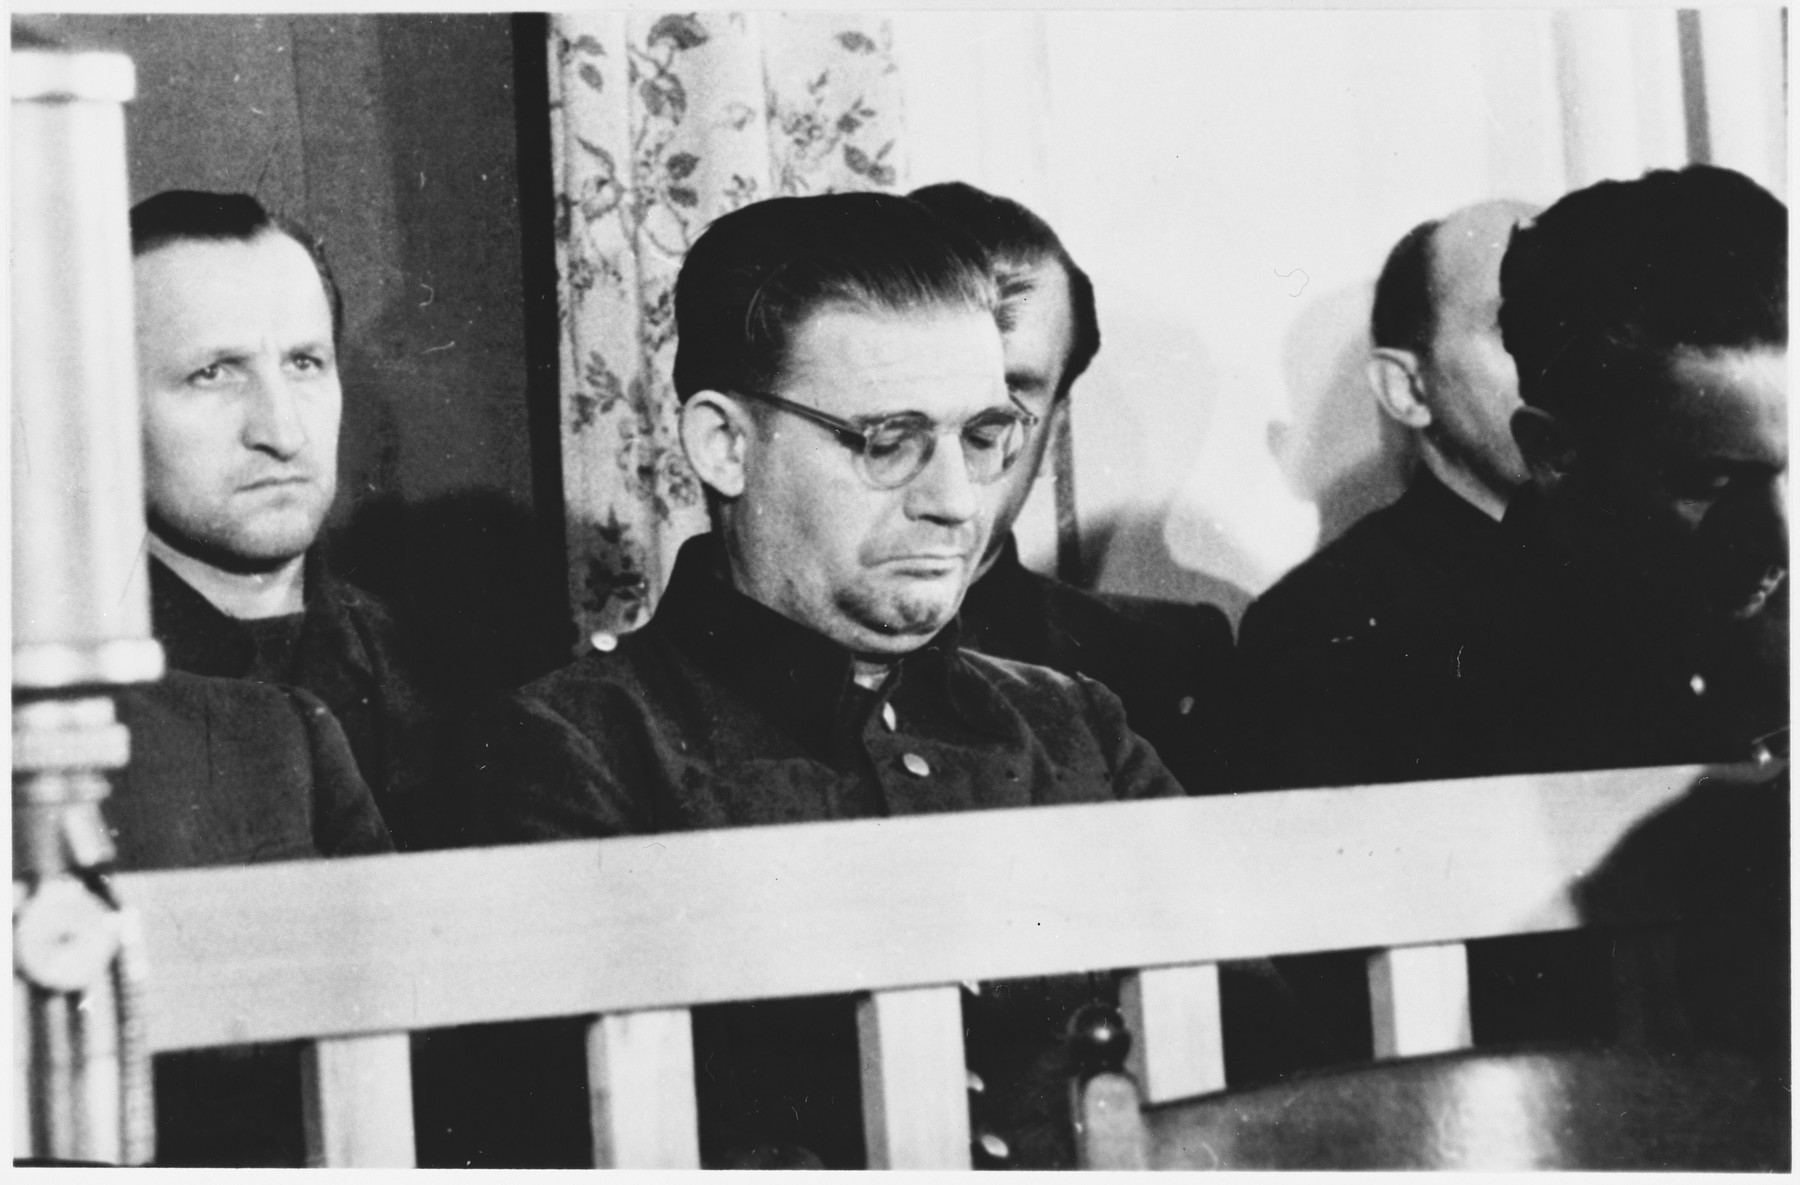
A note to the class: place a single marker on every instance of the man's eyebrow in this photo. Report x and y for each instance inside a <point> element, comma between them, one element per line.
<point>212,356</point>
<point>1026,380</point>
<point>875,418</point>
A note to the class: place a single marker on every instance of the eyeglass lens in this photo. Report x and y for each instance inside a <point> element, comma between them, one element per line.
<point>898,452</point>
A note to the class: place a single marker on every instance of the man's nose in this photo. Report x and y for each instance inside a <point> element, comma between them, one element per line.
<point>942,492</point>
<point>272,420</point>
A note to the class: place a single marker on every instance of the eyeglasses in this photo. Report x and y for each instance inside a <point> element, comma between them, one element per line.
<point>893,450</point>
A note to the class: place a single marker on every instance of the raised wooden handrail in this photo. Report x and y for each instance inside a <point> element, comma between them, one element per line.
<point>420,941</point>
<point>636,930</point>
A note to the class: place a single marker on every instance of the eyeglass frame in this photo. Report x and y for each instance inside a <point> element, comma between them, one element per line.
<point>860,440</point>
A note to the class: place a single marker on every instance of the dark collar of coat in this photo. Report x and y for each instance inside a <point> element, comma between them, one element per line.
<point>1009,611</point>
<point>201,639</point>
<point>788,670</point>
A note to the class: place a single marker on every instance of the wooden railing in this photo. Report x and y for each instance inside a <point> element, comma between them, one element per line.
<point>352,954</point>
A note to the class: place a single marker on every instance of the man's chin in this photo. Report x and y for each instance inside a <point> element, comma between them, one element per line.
<point>900,627</point>
<point>252,555</point>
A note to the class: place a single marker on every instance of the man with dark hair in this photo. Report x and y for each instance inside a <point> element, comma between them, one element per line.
<point>1644,618</point>
<point>1169,664</point>
<point>238,326</point>
<point>1341,658</point>
<point>1649,624</point>
<point>844,402</point>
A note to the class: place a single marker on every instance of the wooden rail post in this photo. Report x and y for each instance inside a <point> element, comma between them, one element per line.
<point>1419,998</point>
<point>641,1090</point>
<point>914,1082</point>
<point>1178,1049</point>
<point>357,1094</point>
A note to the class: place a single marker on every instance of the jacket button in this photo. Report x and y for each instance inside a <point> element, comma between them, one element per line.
<point>915,765</point>
<point>889,718</point>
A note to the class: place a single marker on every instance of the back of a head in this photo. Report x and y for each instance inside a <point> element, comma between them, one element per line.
<point>1016,239</point>
<point>193,215</point>
<point>1403,316</point>
<point>758,272</point>
<point>1600,289</point>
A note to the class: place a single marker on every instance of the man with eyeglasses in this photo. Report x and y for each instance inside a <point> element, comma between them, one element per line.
<point>845,405</point>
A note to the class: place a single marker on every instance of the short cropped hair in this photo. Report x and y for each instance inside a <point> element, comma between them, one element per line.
<point>192,215</point>
<point>1602,287</point>
<point>757,273</point>
<point>1404,316</point>
<point>1016,239</point>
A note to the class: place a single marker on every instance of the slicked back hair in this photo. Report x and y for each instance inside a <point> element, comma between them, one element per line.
<point>756,274</point>
<point>193,215</point>
<point>1404,316</point>
<point>1016,239</point>
<point>1600,289</point>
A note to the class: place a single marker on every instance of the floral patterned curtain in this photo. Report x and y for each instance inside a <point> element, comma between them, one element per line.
<point>660,123</point>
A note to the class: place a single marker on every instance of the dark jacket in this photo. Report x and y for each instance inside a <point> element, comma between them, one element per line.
<point>1351,661</point>
<point>225,772</point>
<point>351,656</point>
<point>1170,664</point>
<point>1573,669</point>
<point>721,712</point>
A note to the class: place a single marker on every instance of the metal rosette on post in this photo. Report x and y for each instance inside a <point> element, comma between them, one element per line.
<point>81,618</point>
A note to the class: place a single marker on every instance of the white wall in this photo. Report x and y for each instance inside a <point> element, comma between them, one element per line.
<point>1233,180</point>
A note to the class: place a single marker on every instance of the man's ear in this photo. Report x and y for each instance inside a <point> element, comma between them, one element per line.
<point>1550,448</point>
<point>1394,378</point>
<point>715,432</point>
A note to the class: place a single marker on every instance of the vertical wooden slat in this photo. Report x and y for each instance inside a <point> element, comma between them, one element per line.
<point>358,1098</point>
<point>914,1082</point>
<point>1419,999</point>
<point>641,1090</point>
<point>1177,1048</point>
<point>1109,1125</point>
<point>21,1036</point>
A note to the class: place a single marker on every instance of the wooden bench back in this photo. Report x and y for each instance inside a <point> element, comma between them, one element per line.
<point>353,954</point>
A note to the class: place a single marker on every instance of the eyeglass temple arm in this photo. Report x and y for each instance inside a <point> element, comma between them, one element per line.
<point>851,435</point>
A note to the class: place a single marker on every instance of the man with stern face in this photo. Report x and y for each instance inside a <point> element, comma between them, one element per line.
<point>238,329</point>
<point>844,403</point>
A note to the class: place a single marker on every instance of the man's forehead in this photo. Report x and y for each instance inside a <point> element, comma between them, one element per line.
<point>859,361</point>
<point>1040,318</point>
<point>190,282</point>
<point>1727,405</point>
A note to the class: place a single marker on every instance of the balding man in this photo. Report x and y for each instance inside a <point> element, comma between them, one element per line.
<point>1339,658</point>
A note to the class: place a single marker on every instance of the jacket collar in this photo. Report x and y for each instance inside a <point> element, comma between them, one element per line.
<point>1008,610</point>
<point>1448,528</point>
<point>196,635</point>
<point>199,638</point>
<point>791,671</point>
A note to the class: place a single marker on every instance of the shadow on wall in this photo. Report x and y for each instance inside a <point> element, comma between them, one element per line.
<point>1161,382</point>
<point>1338,451</point>
<point>1131,551</point>
<point>461,574</point>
